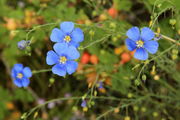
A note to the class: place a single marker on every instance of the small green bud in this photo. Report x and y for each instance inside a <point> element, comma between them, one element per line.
<point>91,32</point>
<point>51,80</point>
<point>172,21</point>
<point>155,114</point>
<point>144,77</point>
<point>143,109</point>
<point>112,25</point>
<point>137,82</point>
<point>135,108</point>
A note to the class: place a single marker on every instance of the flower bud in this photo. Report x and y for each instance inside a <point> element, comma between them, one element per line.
<point>23,44</point>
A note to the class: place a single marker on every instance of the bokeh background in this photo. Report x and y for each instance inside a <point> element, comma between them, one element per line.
<point>145,90</point>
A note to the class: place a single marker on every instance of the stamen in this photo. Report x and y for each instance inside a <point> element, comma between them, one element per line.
<point>140,43</point>
<point>20,75</point>
<point>67,38</point>
<point>63,59</point>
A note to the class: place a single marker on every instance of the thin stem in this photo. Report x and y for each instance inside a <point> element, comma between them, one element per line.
<point>92,43</point>
<point>122,106</point>
<point>106,113</point>
<point>39,26</point>
<point>93,87</point>
<point>40,71</point>
<point>64,99</point>
<point>168,38</point>
<point>162,53</point>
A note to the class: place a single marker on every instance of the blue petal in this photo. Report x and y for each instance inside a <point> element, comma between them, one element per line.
<point>77,35</point>
<point>83,104</point>
<point>151,46</point>
<point>133,33</point>
<point>60,48</point>
<point>71,66</point>
<point>13,73</point>
<point>27,72</point>
<point>17,82</point>
<point>18,67</point>
<point>52,58</point>
<point>72,53</point>
<point>147,34</point>
<point>59,69</point>
<point>23,44</point>
<point>67,27</point>
<point>73,43</point>
<point>131,45</point>
<point>141,54</point>
<point>57,35</point>
<point>25,82</point>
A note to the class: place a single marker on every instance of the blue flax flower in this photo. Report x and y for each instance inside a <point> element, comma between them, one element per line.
<point>21,75</point>
<point>141,42</point>
<point>83,104</point>
<point>63,59</point>
<point>67,34</point>
<point>23,44</point>
<point>100,85</point>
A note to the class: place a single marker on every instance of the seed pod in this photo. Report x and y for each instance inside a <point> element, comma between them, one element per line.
<point>144,77</point>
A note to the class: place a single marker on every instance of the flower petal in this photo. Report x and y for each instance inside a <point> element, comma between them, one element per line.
<point>17,82</point>
<point>72,53</point>
<point>67,27</point>
<point>13,73</point>
<point>73,43</point>
<point>147,34</point>
<point>57,35</point>
<point>71,66</point>
<point>27,72</point>
<point>25,82</point>
<point>141,54</point>
<point>77,35</point>
<point>131,45</point>
<point>18,67</point>
<point>52,58</point>
<point>59,69</point>
<point>133,33</point>
<point>151,46</point>
<point>60,48</point>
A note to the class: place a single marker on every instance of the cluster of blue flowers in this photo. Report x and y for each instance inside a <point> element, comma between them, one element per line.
<point>65,52</point>
<point>63,56</point>
<point>67,39</point>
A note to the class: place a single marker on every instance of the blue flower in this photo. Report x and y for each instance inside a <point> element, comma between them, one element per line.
<point>63,59</point>
<point>141,42</point>
<point>100,84</point>
<point>23,44</point>
<point>83,104</point>
<point>67,34</point>
<point>21,75</point>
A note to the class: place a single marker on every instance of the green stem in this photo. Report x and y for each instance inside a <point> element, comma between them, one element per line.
<point>92,43</point>
<point>26,115</point>
<point>40,71</point>
<point>39,26</point>
<point>168,38</point>
<point>122,106</point>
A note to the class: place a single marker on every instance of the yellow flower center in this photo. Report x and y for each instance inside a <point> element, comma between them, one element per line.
<point>63,59</point>
<point>20,75</point>
<point>67,38</point>
<point>139,43</point>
